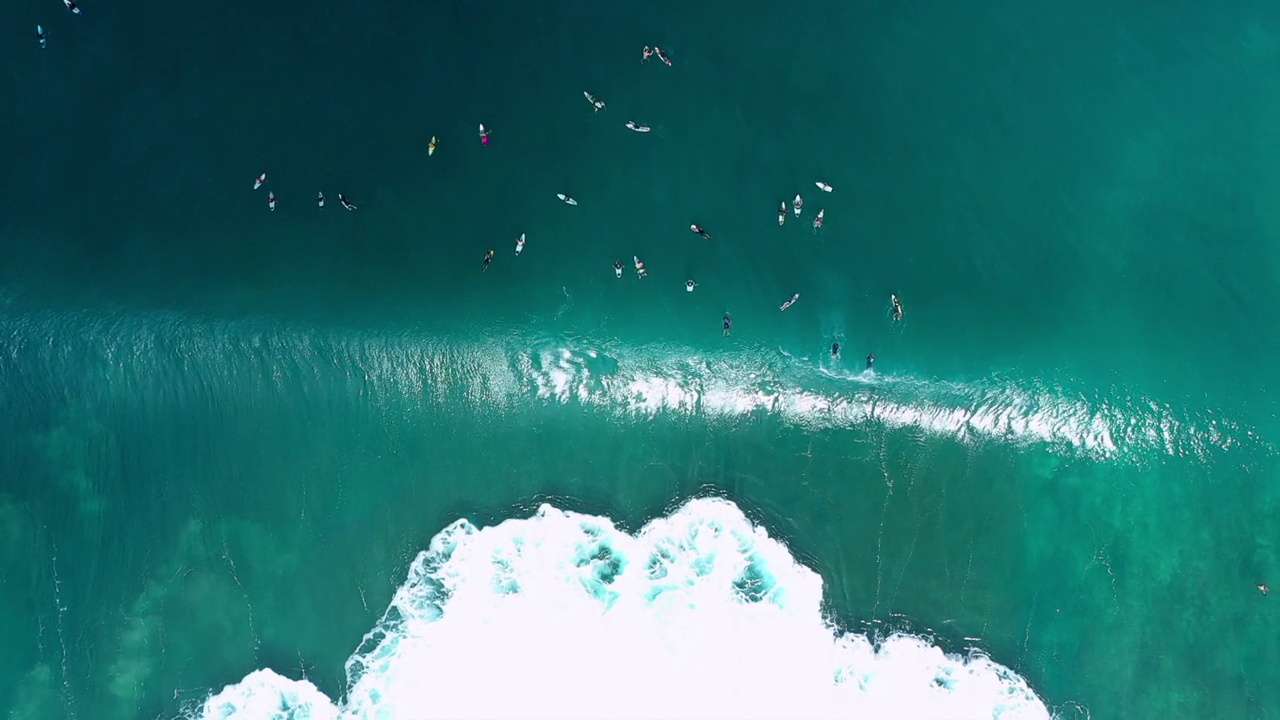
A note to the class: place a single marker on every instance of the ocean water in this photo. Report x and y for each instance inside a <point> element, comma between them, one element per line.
<point>315,463</point>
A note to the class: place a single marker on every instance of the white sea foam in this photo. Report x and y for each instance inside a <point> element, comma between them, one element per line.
<point>700,615</point>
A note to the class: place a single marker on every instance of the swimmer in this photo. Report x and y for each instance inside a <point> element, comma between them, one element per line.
<point>596,102</point>
<point>782,213</point>
<point>520,245</point>
<point>345,202</point>
<point>897,307</point>
<point>640,271</point>
<point>871,360</point>
<point>261,179</point>
<point>689,285</point>
<point>1262,588</point>
<point>647,53</point>
<point>797,204</point>
<point>701,233</point>
<point>320,199</point>
<point>817,222</point>
<point>72,7</point>
<point>633,125</point>
<point>662,55</point>
<point>728,324</point>
<point>617,269</point>
<point>823,186</point>
<point>271,201</point>
<point>484,136</point>
<point>790,302</point>
<point>835,350</point>
<point>488,258</point>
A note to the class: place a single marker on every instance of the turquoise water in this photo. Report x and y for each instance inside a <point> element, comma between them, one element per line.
<point>227,431</point>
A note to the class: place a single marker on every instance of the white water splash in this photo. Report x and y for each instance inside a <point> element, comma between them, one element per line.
<point>701,615</point>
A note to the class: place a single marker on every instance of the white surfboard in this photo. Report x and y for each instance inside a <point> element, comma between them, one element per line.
<point>520,244</point>
<point>566,199</point>
<point>823,186</point>
<point>797,204</point>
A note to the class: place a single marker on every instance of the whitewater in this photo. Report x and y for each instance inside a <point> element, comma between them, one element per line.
<point>562,615</point>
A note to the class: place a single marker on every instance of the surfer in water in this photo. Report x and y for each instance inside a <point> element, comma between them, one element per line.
<point>782,213</point>
<point>42,36</point>
<point>790,302</point>
<point>345,202</point>
<point>633,125</point>
<point>728,324</point>
<point>596,102</point>
<point>1262,588</point>
<point>817,222</point>
<point>897,307</point>
<point>484,135</point>
<point>689,285</point>
<point>797,204</point>
<point>640,271</point>
<point>488,258</point>
<point>320,199</point>
<point>701,233</point>
<point>72,7</point>
<point>648,53</point>
<point>520,244</point>
<point>662,56</point>
<point>871,360</point>
<point>835,350</point>
<point>617,269</point>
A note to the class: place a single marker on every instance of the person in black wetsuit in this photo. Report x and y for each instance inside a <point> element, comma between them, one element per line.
<point>835,350</point>
<point>728,324</point>
<point>871,360</point>
<point>488,258</point>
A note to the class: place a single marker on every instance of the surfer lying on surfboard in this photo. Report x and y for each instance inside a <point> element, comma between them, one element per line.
<point>596,102</point>
<point>566,199</point>
<point>631,125</point>
<point>484,135</point>
<point>617,268</point>
<point>790,302</point>
<point>782,212</point>
<point>345,202</point>
<point>520,244</point>
<point>640,271</point>
<point>701,233</point>
<point>662,55</point>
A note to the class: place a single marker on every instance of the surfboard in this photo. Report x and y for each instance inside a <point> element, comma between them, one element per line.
<point>566,199</point>
<point>431,146</point>
<point>823,186</point>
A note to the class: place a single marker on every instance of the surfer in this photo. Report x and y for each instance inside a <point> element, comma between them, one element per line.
<point>689,285</point>
<point>632,125</point>
<point>484,135</point>
<point>897,307</point>
<point>261,179</point>
<point>345,202</point>
<point>648,53</point>
<point>566,199</point>
<point>72,7</point>
<point>790,302</point>
<point>662,55</point>
<point>817,222</point>
<point>431,146</point>
<point>617,269</point>
<point>488,258</point>
<point>823,186</point>
<point>701,233</point>
<point>640,271</point>
<point>1262,588</point>
<point>782,213</point>
<point>728,324</point>
<point>596,102</point>
<point>520,244</point>
<point>835,350</point>
<point>320,199</point>
<point>871,360</point>
<point>41,35</point>
<point>797,204</point>
<point>271,201</point>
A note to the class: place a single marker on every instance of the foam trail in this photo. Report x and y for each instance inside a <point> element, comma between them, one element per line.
<point>700,615</point>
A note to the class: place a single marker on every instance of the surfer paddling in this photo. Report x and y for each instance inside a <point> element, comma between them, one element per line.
<point>271,201</point>
<point>484,136</point>
<point>782,213</point>
<point>823,186</point>
<point>897,307</point>
<point>596,102</point>
<point>320,199</point>
<point>488,258</point>
<point>345,202</point>
<point>1262,588</point>
<point>520,245</point>
<point>817,222</point>
<point>261,179</point>
<point>790,302</point>
<point>42,36</point>
<point>617,269</point>
<point>72,7</point>
<point>662,56</point>
<point>566,199</point>
<point>633,125</point>
<point>797,204</point>
<point>431,146</point>
<point>701,233</point>
<point>689,285</point>
<point>640,271</point>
